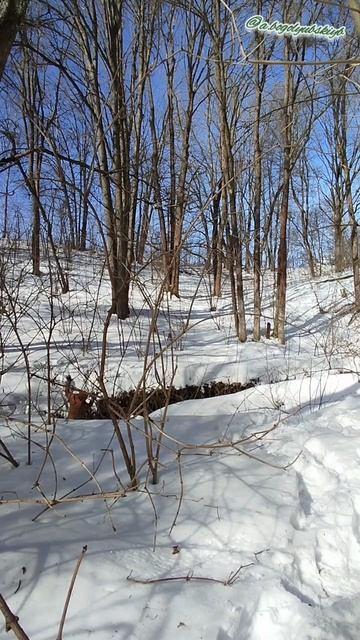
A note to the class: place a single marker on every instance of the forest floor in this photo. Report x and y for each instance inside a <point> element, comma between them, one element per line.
<point>258,540</point>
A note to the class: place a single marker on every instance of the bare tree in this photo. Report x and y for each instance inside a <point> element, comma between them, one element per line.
<point>350,170</point>
<point>194,37</point>
<point>117,120</point>
<point>260,78</point>
<point>279,322</point>
<point>229,206</point>
<point>33,92</point>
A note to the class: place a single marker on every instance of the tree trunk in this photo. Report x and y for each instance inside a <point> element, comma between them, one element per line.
<point>35,240</point>
<point>257,196</point>
<point>338,235</point>
<point>234,240</point>
<point>349,196</point>
<point>12,13</point>
<point>279,323</point>
<point>217,240</point>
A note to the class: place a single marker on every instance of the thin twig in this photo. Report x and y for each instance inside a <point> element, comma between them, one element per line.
<point>79,486</point>
<point>105,495</point>
<point>155,515</point>
<point>234,576</point>
<point>181,493</point>
<point>54,501</point>
<point>76,570</point>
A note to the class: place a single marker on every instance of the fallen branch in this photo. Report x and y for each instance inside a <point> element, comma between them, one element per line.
<point>12,621</point>
<point>50,503</point>
<point>233,577</point>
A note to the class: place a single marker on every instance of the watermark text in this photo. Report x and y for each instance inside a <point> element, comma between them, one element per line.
<point>258,23</point>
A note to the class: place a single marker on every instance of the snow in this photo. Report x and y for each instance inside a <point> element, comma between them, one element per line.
<point>273,523</point>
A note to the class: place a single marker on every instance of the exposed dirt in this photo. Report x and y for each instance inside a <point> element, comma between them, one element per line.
<point>134,402</point>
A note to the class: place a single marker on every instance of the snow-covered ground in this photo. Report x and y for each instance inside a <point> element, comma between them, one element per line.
<point>255,540</point>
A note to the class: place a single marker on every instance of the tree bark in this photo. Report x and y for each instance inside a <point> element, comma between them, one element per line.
<point>257,197</point>
<point>279,322</point>
<point>12,12</point>
<point>342,146</point>
<point>229,208</point>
